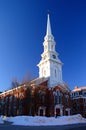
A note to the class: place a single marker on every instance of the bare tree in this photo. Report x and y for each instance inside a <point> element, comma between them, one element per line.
<point>15,83</point>
<point>26,78</point>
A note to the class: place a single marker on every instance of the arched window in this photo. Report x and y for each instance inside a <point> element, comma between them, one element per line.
<point>56,97</point>
<point>42,97</point>
<point>55,73</point>
<point>20,109</point>
<point>66,99</point>
<point>6,99</point>
<point>10,99</point>
<point>52,47</point>
<point>60,98</point>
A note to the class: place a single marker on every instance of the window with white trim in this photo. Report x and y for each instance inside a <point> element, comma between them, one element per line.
<point>84,93</point>
<point>66,99</point>
<point>57,99</point>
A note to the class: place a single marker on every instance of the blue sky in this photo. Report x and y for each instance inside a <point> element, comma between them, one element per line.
<point>22,31</point>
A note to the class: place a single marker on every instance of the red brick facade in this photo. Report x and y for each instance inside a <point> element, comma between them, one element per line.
<point>31,99</point>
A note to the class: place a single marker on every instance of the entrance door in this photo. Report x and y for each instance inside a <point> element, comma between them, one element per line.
<point>66,113</point>
<point>57,112</point>
<point>41,112</point>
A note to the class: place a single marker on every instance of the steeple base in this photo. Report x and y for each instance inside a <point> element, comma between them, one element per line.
<point>52,83</point>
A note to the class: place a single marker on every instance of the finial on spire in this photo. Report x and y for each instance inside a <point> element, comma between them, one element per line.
<point>48,12</point>
<point>48,32</point>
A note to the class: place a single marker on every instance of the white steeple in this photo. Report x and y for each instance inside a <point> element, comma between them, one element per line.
<point>48,31</point>
<point>50,65</point>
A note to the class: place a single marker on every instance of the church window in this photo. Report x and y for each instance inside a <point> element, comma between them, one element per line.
<point>42,97</point>
<point>6,99</point>
<point>20,109</point>
<point>52,47</point>
<point>55,73</point>
<point>54,57</point>
<point>66,99</point>
<point>14,100</point>
<point>56,97</point>
<point>14,110</point>
<point>10,98</point>
<point>9,110</point>
<point>60,98</point>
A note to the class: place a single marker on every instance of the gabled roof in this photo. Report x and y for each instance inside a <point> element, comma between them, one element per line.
<point>34,82</point>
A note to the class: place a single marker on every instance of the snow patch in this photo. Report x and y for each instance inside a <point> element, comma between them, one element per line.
<point>43,121</point>
<point>1,120</point>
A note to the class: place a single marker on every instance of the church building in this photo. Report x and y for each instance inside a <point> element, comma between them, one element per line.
<point>47,95</point>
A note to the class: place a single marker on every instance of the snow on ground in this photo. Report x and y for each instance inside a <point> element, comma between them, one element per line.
<point>43,121</point>
<point>1,120</point>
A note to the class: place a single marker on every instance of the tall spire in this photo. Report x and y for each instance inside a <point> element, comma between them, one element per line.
<point>50,65</point>
<point>48,31</point>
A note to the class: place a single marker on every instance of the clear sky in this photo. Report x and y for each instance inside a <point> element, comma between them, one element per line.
<point>22,31</point>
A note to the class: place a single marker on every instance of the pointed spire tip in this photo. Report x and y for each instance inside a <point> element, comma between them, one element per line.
<point>48,31</point>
